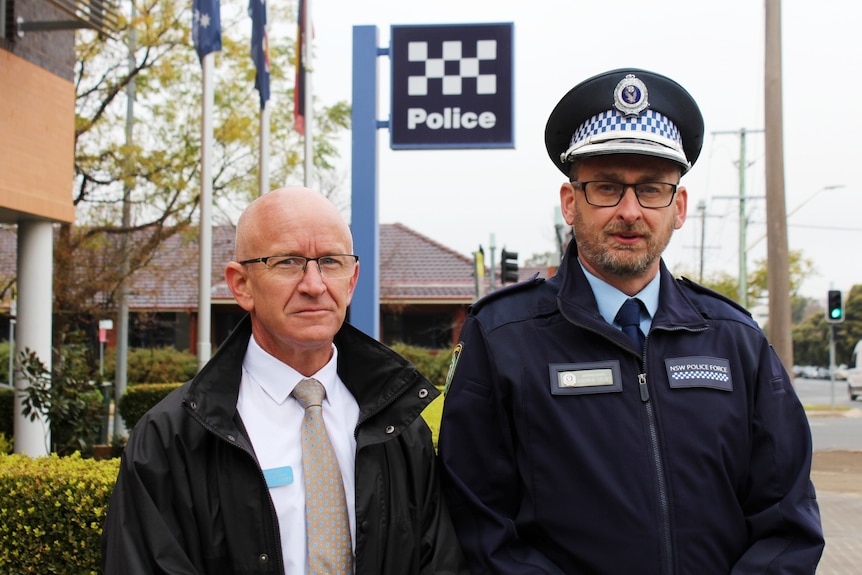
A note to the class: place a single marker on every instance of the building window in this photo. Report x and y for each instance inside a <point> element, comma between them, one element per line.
<point>431,330</point>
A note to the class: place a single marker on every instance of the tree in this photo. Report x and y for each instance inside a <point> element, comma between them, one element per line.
<point>159,170</point>
<point>811,336</point>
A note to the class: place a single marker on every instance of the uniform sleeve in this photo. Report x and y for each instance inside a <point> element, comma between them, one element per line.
<point>780,507</point>
<point>141,534</point>
<point>479,467</point>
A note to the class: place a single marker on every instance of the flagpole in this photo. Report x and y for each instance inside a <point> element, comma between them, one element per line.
<point>263,161</point>
<point>309,109</point>
<point>204,346</point>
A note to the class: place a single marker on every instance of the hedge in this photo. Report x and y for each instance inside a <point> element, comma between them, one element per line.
<point>51,513</point>
<point>140,398</point>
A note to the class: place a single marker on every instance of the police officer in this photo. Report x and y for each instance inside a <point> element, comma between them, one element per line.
<point>614,419</point>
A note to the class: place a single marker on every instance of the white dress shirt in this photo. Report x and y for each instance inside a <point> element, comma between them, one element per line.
<point>273,419</point>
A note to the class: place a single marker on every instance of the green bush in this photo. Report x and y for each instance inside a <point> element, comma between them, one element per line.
<point>159,365</point>
<point>51,513</point>
<point>432,363</point>
<point>139,399</point>
<point>4,362</point>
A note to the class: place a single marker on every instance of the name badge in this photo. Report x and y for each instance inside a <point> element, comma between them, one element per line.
<point>584,378</point>
<point>278,476</point>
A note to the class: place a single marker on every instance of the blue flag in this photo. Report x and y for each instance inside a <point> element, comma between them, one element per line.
<point>260,48</point>
<point>206,26</point>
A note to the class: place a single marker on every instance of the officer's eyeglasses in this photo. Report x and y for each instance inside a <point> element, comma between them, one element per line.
<point>331,267</point>
<point>610,194</point>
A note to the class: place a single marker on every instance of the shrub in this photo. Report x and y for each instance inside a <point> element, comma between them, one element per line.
<point>432,363</point>
<point>51,513</point>
<point>65,396</point>
<point>159,365</point>
<point>139,399</point>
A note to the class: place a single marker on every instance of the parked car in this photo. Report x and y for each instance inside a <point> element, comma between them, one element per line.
<point>854,383</point>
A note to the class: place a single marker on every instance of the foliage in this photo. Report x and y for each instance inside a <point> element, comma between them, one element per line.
<point>811,337</point>
<point>4,361</point>
<point>135,188</point>
<point>139,399</point>
<point>51,513</point>
<point>432,363</point>
<point>156,365</point>
<point>66,396</point>
<point>758,286</point>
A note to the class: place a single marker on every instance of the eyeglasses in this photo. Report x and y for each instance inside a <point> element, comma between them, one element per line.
<point>332,267</point>
<point>610,194</point>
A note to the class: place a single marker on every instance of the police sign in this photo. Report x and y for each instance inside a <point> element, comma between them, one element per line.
<point>452,86</point>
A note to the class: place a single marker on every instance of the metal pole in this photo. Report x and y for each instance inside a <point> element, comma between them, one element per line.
<point>743,224</point>
<point>122,344</point>
<point>832,366</point>
<point>205,256</point>
<point>309,108</point>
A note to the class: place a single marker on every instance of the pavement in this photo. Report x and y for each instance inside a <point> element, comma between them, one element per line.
<point>837,477</point>
<point>841,514</point>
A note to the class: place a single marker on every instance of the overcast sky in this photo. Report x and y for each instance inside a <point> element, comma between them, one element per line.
<point>715,50</point>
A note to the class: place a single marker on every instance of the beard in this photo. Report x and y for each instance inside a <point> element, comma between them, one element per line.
<point>620,260</point>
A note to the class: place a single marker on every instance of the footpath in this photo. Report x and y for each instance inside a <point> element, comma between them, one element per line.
<point>837,477</point>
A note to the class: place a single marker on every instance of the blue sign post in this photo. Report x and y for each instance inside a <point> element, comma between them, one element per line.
<point>452,87</point>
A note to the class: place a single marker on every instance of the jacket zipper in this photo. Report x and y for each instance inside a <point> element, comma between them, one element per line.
<point>273,515</point>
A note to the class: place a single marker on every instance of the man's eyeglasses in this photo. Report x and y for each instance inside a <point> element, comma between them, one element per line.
<point>332,267</point>
<point>610,194</point>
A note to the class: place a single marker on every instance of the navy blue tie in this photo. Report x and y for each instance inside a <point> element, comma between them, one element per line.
<point>630,320</point>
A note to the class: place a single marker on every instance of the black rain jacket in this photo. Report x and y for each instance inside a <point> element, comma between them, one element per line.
<point>190,497</point>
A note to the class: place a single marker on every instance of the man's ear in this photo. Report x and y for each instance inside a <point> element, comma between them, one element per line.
<point>239,282</point>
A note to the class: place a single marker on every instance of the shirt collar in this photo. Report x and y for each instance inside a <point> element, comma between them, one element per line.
<point>278,379</point>
<point>609,299</point>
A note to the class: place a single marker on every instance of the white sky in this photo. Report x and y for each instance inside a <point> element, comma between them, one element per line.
<point>714,49</point>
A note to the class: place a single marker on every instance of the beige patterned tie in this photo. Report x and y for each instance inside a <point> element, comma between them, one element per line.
<point>326,520</point>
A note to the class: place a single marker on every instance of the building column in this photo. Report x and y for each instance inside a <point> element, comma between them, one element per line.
<point>34,323</point>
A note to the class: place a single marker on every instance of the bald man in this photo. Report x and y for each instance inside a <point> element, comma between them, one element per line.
<point>212,477</point>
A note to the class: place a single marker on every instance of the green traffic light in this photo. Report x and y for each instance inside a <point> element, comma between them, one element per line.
<point>836,314</point>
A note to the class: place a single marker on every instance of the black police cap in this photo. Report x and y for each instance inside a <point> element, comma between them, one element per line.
<point>627,110</point>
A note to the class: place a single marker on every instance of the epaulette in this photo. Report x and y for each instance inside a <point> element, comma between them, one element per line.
<point>534,281</point>
<point>693,285</point>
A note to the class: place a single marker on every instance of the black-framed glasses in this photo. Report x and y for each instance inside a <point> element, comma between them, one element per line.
<point>609,194</point>
<point>333,267</point>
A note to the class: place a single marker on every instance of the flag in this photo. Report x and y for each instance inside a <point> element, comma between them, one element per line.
<point>299,85</point>
<point>206,26</point>
<point>260,48</point>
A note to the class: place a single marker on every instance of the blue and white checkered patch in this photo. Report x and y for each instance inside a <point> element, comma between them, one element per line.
<point>649,122</point>
<point>699,371</point>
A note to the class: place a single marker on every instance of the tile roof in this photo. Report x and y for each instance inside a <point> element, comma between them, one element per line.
<point>413,269</point>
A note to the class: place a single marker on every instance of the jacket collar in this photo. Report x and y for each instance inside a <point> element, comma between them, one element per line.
<point>376,376</point>
<point>575,298</point>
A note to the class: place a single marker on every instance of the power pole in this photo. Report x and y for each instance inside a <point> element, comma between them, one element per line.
<point>778,258</point>
<point>742,289</point>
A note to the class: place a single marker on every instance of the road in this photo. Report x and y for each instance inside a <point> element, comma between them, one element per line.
<point>837,424</point>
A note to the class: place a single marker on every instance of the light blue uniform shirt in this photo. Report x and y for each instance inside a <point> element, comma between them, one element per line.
<point>610,299</point>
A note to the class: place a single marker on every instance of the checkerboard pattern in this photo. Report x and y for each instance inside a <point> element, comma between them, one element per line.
<point>650,122</point>
<point>452,68</point>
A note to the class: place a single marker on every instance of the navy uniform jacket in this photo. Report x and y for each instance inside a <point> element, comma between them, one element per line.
<point>567,450</point>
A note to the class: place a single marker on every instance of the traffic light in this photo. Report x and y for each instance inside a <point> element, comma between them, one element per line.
<point>834,307</point>
<point>508,267</point>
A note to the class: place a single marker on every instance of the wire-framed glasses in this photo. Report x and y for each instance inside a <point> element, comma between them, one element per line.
<point>336,266</point>
<point>609,194</point>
